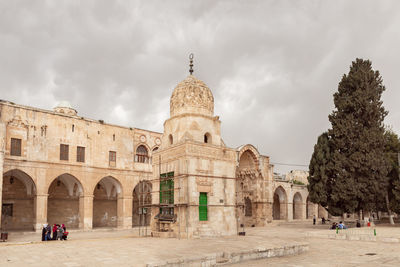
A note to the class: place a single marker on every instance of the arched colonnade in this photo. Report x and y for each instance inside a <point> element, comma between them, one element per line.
<point>65,200</point>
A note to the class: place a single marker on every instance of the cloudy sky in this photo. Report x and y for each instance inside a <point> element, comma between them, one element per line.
<point>272,65</point>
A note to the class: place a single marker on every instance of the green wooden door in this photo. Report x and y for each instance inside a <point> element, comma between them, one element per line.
<point>203,207</point>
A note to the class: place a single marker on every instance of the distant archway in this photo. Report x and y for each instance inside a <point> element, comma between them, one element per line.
<point>279,206</point>
<point>297,206</point>
<point>63,201</point>
<point>141,206</point>
<point>18,201</point>
<point>105,202</point>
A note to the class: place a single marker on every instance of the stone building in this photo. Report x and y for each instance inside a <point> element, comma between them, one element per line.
<point>59,167</point>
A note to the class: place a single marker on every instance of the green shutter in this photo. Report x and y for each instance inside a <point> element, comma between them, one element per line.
<point>203,207</point>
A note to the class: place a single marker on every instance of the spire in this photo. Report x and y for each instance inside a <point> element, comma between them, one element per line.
<point>191,63</point>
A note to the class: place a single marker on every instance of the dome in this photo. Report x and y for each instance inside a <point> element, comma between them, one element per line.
<point>65,107</point>
<point>63,104</point>
<point>192,96</point>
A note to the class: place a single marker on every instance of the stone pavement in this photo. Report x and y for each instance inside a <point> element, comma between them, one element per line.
<point>125,248</point>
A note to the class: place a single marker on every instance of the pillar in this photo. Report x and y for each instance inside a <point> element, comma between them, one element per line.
<point>304,211</point>
<point>86,212</point>
<point>289,209</point>
<point>124,212</point>
<point>40,211</point>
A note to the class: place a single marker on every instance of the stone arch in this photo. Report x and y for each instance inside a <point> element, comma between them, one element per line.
<point>18,201</point>
<point>141,204</point>
<point>297,206</point>
<point>63,200</point>
<point>105,202</point>
<point>251,154</point>
<point>279,206</point>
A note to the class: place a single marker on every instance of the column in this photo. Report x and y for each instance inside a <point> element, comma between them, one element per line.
<point>124,212</point>
<point>86,212</point>
<point>290,210</point>
<point>41,211</point>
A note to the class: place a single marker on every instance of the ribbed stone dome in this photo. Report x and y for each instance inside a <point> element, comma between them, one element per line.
<point>65,107</point>
<point>192,96</point>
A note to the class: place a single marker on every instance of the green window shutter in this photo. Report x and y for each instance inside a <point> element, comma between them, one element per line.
<point>203,207</point>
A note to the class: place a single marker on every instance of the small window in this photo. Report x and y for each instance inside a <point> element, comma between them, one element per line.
<point>15,147</point>
<point>142,154</point>
<point>64,152</point>
<point>112,157</point>
<point>207,138</point>
<point>171,139</point>
<point>73,127</point>
<point>80,154</point>
<point>113,137</point>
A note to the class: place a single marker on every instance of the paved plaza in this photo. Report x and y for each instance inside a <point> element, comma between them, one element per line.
<point>126,248</point>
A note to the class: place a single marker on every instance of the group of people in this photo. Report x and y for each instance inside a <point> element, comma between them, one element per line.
<point>339,225</point>
<point>57,232</point>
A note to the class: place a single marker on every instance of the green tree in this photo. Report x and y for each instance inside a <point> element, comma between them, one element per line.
<point>318,171</point>
<point>348,169</point>
<point>357,135</point>
<point>392,150</point>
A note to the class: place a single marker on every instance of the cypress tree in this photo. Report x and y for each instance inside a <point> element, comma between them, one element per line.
<point>359,167</point>
<point>318,171</point>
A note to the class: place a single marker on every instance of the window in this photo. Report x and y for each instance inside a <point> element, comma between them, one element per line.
<point>167,196</point>
<point>64,152</point>
<point>112,157</point>
<point>142,154</point>
<point>207,138</point>
<point>15,147</point>
<point>80,154</point>
<point>247,207</point>
<point>171,139</point>
<point>203,216</point>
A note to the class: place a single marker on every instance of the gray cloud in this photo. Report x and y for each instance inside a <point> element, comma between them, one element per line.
<point>272,65</point>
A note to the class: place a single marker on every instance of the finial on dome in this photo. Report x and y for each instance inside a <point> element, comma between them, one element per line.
<point>191,63</point>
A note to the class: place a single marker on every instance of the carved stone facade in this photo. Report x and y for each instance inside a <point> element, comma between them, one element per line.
<point>185,182</point>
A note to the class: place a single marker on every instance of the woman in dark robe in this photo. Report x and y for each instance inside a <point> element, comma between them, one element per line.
<point>44,232</point>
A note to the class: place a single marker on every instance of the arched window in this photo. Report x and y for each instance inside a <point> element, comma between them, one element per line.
<point>141,154</point>
<point>171,139</point>
<point>207,138</point>
<point>247,207</point>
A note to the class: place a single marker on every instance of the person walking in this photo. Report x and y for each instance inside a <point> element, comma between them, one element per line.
<point>54,231</point>
<point>314,219</point>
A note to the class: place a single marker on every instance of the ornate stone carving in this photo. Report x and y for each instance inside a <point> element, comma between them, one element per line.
<point>192,96</point>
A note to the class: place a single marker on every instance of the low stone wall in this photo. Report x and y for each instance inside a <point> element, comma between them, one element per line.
<point>221,258</point>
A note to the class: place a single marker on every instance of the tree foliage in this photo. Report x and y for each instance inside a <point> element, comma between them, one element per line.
<point>355,169</point>
<point>392,148</point>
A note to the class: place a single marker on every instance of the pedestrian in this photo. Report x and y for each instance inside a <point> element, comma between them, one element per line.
<point>60,233</point>
<point>48,232</point>
<point>54,231</point>
<point>44,232</point>
<point>314,219</point>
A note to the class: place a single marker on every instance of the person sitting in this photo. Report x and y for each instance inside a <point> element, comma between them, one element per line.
<point>358,224</point>
<point>65,233</point>
<point>341,225</point>
<point>323,220</point>
<point>334,225</point>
